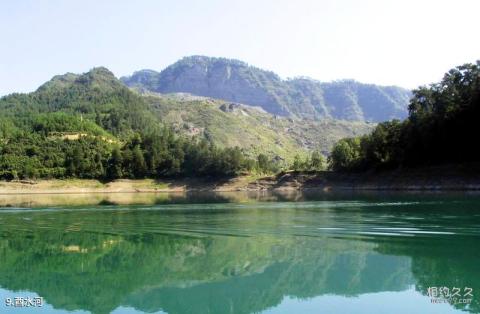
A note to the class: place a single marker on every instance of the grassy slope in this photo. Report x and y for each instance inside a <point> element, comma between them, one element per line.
<point>250,128</point>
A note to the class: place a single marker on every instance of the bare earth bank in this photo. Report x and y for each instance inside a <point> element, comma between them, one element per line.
<point>432,178</point>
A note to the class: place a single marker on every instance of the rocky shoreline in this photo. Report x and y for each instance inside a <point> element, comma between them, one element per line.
<point>416,180</point>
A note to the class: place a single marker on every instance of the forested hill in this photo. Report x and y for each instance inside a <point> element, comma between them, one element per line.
<point>96,96</point>
<point>93,126</point>
<point>236,81</point>
<point>442,128</point>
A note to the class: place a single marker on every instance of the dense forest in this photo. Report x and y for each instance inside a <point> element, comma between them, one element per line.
<point>92,126</point>
<point>441,129</point>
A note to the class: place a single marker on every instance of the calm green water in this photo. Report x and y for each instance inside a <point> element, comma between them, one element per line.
<point>238,253</point>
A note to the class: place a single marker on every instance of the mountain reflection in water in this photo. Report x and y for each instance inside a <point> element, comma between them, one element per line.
<point>233,254</point>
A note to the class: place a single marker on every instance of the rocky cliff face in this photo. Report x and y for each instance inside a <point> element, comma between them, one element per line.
<point>236,81</point>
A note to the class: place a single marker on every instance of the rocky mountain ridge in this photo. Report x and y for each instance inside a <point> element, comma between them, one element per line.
<point>236,81</point>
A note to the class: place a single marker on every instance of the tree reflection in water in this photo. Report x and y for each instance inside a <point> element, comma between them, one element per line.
<point>239,258</point>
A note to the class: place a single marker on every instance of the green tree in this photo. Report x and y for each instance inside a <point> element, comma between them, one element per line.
<point>298,163</point>
<point>263,163</point>
<point>317,162</point>
<point>345,154</point>
<point>139,167</point>
<point>114,170</point>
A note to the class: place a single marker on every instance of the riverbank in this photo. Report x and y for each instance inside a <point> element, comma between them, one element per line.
<point>455,177</point>
<point>406,180</point>
<point>77,186</point>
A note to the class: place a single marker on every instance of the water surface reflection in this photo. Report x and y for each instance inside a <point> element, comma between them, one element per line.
<point>233,254</point>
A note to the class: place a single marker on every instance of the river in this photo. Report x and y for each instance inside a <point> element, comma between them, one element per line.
<point>301,252</point>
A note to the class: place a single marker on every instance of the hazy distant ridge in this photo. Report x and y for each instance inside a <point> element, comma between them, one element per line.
<point>236,81</point>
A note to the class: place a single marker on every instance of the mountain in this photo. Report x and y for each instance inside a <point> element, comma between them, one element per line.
<point>231,124</point>
<point>96,103</point>
<point>236,81</point>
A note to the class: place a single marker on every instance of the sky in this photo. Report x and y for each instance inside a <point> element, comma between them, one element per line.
<point>406,42</point>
